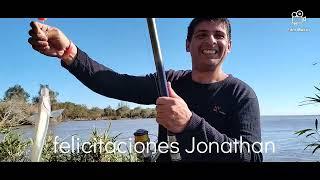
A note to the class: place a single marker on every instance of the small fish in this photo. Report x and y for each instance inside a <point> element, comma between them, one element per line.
<point>41,125</point>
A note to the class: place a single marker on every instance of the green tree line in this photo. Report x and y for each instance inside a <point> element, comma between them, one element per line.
<point>15,108</point>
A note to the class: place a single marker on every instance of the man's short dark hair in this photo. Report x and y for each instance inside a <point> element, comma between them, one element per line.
<point>196,21</point>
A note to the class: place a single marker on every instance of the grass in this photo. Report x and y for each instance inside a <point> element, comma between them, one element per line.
<point>13,148</point>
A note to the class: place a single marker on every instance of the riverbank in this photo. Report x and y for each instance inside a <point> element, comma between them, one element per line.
<point>16,112</point>
<point>106,118</point>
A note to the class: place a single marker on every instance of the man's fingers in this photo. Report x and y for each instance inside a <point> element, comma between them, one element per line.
<point>39,36</point>
<point>165,120</point>
<point>165,100</point>
<point>36,43</point>
<point>165,115</point>
<point>160,121</point>
<point>35,27</point>
<point>160,109</point>
<point>37,48</point>
<point>164,109</point>
<point>40,48</point>
<point>39,29</point>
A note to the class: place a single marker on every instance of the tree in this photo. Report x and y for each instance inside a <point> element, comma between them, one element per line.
<point>134,113</point>
<point>16,92</point>
<point>144,113</point>
<point>95,113</point>
<point>123,105</point>
<point>153,113</point>
<point>123,112</point>
<point>109,111</point>
<point>13,112</point>
<point>53,95</point>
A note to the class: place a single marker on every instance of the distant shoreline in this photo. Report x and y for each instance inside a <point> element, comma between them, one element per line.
<point>105,119</point>
<point>286,115</point>
<point>140,118</point>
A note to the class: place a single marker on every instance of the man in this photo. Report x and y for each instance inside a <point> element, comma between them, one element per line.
<point>214,115</point>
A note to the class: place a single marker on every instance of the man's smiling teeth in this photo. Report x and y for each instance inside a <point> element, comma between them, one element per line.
<point>209,51</point>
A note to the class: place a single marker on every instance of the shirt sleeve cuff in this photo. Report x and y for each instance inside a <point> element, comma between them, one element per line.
<point>79,57</point>
<point>194,123</point>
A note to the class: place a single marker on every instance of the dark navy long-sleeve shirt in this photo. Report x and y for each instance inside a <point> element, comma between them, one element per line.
<point>223,112</point>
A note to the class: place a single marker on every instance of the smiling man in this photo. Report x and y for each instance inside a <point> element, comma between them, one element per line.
<point>208,110</point>
<point>208,42</point>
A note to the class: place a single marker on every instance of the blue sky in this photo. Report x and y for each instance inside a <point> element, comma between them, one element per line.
<point>276,63</point>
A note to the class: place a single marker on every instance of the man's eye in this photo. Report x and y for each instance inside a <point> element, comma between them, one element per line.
<point>219,36</point>
<point>201,35</point>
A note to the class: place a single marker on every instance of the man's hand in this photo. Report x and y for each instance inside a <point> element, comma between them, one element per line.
<point>172,112</point>
<point>49,41</point>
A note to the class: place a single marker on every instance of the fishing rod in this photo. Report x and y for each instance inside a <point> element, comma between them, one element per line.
<point>161,77</point>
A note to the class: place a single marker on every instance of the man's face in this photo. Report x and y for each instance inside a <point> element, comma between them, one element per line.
<point>209,45</point>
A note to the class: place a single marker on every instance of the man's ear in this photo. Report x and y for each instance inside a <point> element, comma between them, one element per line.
<point>229,46</point>
<point>187,45</point>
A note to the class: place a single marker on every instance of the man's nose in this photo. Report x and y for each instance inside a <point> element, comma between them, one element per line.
<point>212,40</point>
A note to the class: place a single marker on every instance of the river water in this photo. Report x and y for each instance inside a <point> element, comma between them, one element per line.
<point>276,129</point>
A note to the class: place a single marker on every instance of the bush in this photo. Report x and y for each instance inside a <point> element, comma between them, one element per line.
<point>314,133</point>
<point>94,154</point>
<point>13,148</point>
<point>13,112</point>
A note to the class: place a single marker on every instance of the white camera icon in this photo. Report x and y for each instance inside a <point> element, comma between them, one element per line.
<point>297,17</point>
